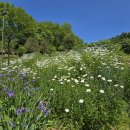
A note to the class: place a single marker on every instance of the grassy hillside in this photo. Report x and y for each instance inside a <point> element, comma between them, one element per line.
<point>84,90</point>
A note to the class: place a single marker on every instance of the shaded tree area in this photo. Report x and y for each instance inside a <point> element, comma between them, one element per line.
<point>23,34</point>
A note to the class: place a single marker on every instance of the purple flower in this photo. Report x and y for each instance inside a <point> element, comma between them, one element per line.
<point>46,112</point>
<point>10,94</point>
<point>5,89</point>
<point>34,80</point>
<point>35,88</point>
<point>41,106</point>
<point>11,79</point>
<point>12,124</point>
<point>20,111</point>
<point>1,75</point>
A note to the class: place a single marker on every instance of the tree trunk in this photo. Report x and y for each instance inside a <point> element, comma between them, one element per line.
<point>2,44</point>
<point>8,53</point>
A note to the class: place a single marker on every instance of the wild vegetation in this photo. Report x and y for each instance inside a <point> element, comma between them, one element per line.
<point>72,86</point>
<point>23,34</point>
<point>119,42</point>
<point>73,90</point>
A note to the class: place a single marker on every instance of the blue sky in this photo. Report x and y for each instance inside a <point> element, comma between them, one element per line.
<point>92,20</point>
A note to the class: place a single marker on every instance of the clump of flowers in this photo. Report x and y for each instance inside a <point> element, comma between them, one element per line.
<point>43,106</point>
<point>10,94</point>
<point>21,111</point>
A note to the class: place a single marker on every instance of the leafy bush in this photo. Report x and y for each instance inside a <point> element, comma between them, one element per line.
<point>61,48</point>
<point>125,46</point>
<point>51,49</point>
<point>21,50</point>
<point>32,45</point>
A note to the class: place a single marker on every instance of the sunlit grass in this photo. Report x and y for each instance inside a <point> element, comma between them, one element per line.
<point>88,89</point>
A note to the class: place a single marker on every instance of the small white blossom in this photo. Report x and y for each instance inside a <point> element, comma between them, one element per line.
<point>87,85</point>
<point>84,75</point>
<point>51,89</point>
<point>67,110</point>
<point>103,78</point>
<point>121,86</point>
<point>82,81</point>
<point>61,83</point>
<point>99,76</point>
<point>88,90</point>
<point>34,77</point>
<point>81,101</point>
<point>122,68</point>
<point>76,81</point>
<point>68,80</point>
<point>91,77</point>
<point>109,80</point>
<point>81,68</point>
<point>72,86</point>
<point>101,91</point>
<point>55,76</point>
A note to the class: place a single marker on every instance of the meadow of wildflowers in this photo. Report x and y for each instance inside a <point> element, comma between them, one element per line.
<point>87,90</point>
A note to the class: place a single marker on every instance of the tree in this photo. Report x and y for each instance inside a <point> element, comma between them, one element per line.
<point>20,27</point>
<point>125,46</point>
<point>32,45</point>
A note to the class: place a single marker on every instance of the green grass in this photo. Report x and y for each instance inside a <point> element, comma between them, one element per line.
<point>79,90</point>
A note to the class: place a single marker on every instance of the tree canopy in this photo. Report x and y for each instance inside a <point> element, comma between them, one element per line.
<point>23,31</point>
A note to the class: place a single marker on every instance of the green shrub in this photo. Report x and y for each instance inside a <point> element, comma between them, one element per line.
<point>61,48</point>
<point>21,50</point>
<point>51,49</point>
<point>32,45</point>
<point>125,46</point>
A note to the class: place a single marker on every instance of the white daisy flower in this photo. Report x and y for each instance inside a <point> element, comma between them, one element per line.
<point>68,80</point>
<point>55,76</point>
<point>87,85</point>
<point>122,86</point>
<point>116,85</point>
<point>101,91</point>
<point>72,86</point>
<point>109,80</point>
<point>61,83</point>
<point>99,76</point>
<point>82,81</point>
<point>81,68</point>
<point>88,90</point>
<point>81,101</point>
<point>76,81</point>
<point>51,89</point>
<point>103,78</point>
<point>67,110</point>
<point>91,77</point>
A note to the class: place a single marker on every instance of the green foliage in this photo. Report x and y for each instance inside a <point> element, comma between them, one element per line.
<point>21,107</point>
<point>61,48</point>
<point>44,46</point>
<point>19,26</point>
<point>21,50</point>
<point>83,90</point>
<point>32,45</point>
<point>51,49</point>
<point>125,46</point>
